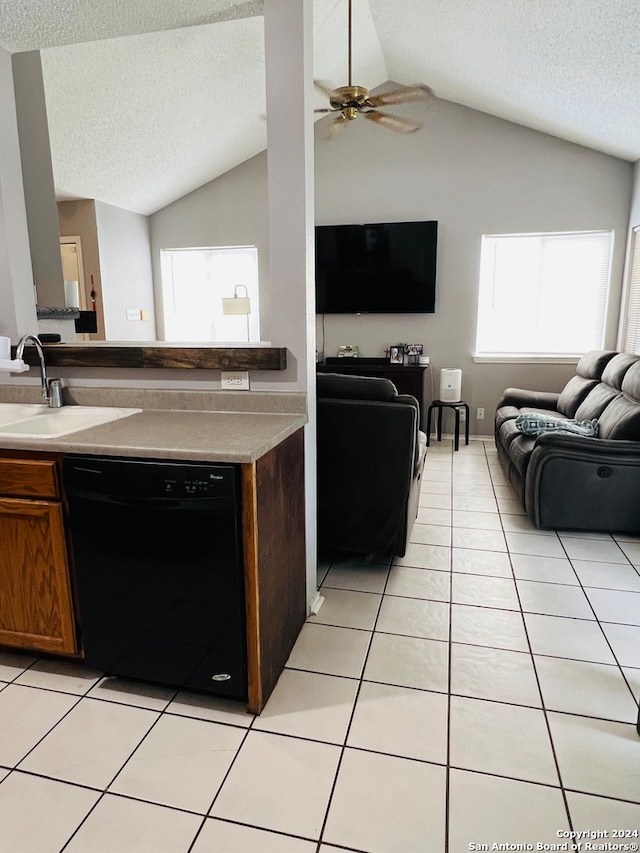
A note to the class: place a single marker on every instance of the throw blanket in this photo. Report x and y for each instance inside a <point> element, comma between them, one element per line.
<point>531,423</point>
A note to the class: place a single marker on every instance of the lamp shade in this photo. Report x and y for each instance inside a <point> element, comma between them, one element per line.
<point>236,305</point>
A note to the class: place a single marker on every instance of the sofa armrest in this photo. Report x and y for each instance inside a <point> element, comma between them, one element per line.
<point>596,448</point>
<point>408,400</point>
<point>521,398</point>
<point>577,482</point>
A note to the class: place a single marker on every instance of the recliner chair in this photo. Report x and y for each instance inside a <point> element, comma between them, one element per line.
<point>371,456</point>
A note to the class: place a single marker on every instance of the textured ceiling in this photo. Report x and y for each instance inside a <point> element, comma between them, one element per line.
<point>149,100</point>
<point>34,24</point>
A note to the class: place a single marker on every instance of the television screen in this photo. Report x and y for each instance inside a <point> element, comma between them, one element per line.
<point>387,268</point>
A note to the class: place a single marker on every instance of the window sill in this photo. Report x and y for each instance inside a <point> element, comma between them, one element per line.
<point>526,359</point>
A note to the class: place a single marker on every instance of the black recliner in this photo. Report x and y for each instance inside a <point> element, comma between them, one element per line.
<point>371,456</point>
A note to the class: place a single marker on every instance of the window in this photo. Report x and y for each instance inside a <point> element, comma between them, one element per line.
<point>631,319</point>
<point>543,294</point>
<point>194,283</point>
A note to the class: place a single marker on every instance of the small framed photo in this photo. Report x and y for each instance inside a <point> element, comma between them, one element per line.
<point>413,353</point>
<point>396,354</point>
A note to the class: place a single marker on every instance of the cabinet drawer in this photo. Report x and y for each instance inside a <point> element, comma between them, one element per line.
<point>29,478</point>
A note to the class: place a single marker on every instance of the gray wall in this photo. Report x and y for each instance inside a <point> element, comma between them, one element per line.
<point>472,172</point>
<point>17,302</point>
<point>634,218</point>
<point>37,177</point>
<point>127,280</point>
<point>634,222</point>
<point>230,211</point>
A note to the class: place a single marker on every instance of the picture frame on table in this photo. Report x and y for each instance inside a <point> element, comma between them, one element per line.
<point>396,354</point>
<point>413,353</point>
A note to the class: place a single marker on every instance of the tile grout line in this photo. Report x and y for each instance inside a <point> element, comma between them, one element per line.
<point>539,686</point>
<point>343,746</point>
<point>447,818</point>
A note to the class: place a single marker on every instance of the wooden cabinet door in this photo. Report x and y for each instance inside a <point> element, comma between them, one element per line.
<point>35,598</point>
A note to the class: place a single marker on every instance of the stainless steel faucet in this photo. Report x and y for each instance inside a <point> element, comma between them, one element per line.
<point>51,388</point>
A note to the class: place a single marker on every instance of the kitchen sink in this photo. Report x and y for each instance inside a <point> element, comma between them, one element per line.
<point>11,412</point>
<point>33,420</point>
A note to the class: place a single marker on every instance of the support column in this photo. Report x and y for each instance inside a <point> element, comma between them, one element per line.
<point>37,178</point>
<point>289,83</point>
<point>17,301</point>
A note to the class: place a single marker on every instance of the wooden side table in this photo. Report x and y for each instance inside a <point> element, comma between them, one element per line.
<point>457,407</point>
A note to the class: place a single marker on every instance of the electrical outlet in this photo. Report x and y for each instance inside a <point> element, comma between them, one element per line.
<point>479,414</point>
<point>237,380</point>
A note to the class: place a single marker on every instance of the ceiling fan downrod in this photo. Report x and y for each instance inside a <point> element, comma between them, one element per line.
<point>350,13</point>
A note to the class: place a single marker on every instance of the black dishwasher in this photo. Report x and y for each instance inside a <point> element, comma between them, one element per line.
<point>158,560</point>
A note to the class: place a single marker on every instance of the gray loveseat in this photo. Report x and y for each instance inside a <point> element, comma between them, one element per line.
<point>570,481</point>
<point>371,456</point>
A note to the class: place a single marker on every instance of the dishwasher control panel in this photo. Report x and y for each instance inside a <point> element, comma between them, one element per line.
<point>151,479</point>
<point>205,485</point>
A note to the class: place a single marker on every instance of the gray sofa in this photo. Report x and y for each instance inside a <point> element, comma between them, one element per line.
<point>570,481</point>
<point>371,456</point>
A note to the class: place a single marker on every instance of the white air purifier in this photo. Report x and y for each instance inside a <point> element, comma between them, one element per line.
<point>450,385</point>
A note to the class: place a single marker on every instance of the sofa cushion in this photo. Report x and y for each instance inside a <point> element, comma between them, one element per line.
<point>592,364</point>
<point>621,420</point>
<point>509,433</point>
<point>340,387</point>
<point>615,371</point>
<point>631,382</point>
<point>588,372</point>
<point>596,402</point>
<point>510,413</point>
<point>574,393</point>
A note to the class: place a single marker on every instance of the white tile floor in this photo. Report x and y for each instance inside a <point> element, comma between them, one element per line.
<point>481,691</point>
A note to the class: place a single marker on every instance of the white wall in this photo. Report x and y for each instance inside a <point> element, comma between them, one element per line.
<point>127,280</point>
<point>472,172</point>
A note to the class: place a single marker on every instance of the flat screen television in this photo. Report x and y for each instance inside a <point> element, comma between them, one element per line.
<point>382,268</point>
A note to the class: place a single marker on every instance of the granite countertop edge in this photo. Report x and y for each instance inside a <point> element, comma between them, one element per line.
<point>240,437</point>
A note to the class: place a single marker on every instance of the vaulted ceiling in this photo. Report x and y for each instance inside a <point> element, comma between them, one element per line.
<point>147,101</point>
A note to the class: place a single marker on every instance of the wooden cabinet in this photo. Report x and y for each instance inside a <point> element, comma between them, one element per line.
<point>275,556</point>
<point>36,601</point>
<point>36,610</point>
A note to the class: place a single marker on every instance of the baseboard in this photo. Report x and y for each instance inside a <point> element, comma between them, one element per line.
<point>316,603</point>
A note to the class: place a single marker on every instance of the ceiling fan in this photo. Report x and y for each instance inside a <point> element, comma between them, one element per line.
<point>348,102</point>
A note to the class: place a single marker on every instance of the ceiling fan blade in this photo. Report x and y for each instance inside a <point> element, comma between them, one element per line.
<point>400,125</point>
<point>401,96</point>
<point>326,110</point>
<point>333,128</point>
<point>323,86</point>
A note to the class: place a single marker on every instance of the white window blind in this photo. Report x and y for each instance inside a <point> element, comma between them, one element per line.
<point>543,294</point>
<point>194,283</point>
<point>631,339</point>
